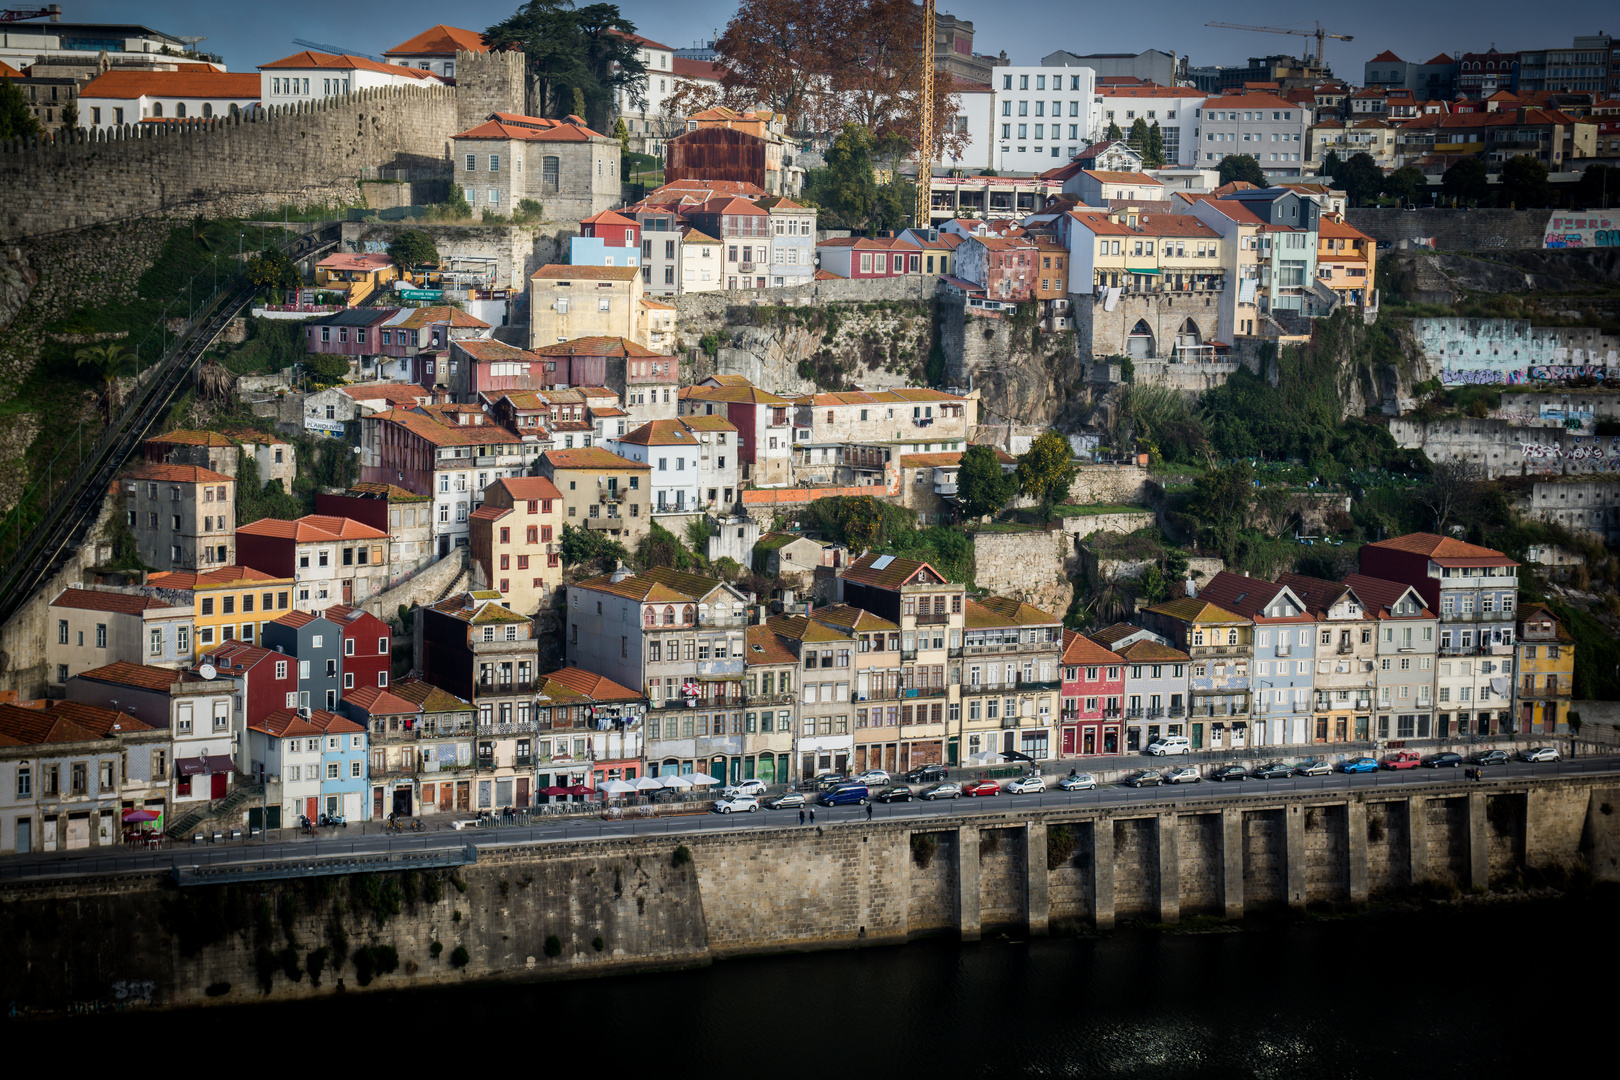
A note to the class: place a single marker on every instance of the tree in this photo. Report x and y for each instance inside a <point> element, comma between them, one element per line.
<point>847,186</point>
<point>326,369</point>
<point>860,520</point>
<point>1466,181</point>
<point>1452,490</point>
<point>1405,184</point>
<point>1153,156</point>
<point>1331,164</point>
<point>579,59</point>
<point>589,545</point>
<point>272,269</point>
<point>1113,134</point>
<point>1137,139</point>
<point>108,362</point>
<point>1598,187</point>
<point>772,48</point>
<point>413,247</point>
<point>1234,167</point>
<point>1222,498</point>
<point>1046,471</point>
<point>622,133</point>
<point>16,119</point>
<point>1524,182</point>
<point>1361,178</point>
<point>981,484</point>
<point>70,114</point>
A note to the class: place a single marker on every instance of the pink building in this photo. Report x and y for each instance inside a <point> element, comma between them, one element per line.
<point>1093,693</point>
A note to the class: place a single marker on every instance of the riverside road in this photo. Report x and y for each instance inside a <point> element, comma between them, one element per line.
<point>334,845</point>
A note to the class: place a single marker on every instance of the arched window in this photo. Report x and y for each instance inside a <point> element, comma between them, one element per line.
<point>651,617</point>
<point>180,110</point>
<point>157,108</point>
<point>1231,637</point>
<point>1140,344</point>
<point>208,110</point>
<point>669,616</point>
<point>688,615</point>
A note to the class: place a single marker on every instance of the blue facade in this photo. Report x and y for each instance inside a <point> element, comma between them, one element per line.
<point>346,793</point>
<point>1285,656</point>
<point>317,645</point>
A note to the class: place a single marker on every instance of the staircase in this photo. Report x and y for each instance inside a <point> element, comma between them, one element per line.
<point>219,809</point>
<point>460,583</point>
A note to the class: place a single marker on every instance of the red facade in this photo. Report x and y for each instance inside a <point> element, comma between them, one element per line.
<point>715,153</point>
<point>267,677</point>
<point>1093,697</point>
<point>367,647</point>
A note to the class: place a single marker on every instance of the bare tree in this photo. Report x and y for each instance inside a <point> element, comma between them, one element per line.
<point>1453,488</point>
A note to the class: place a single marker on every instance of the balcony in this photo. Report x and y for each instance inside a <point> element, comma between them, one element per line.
<point>523,761</point>
<point>1175,712</point>
<point>607,523</point>
<point>745,268</point>
<point>933,619</point>
<point>1284,650</point>
<point>753,700</point>
<point>486,762</point>
<point>908,654</point>
<point>1345,648</point>
<point>1218,651</point>
<point>496,689</point>
<point>1110,714</point>
<point>904,693</point>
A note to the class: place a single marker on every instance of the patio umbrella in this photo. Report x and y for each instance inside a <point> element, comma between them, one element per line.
<point>673,780</point>
<point>701,778</point>
<point>647,783</point>
<point>554,790</point>
<point>616,787</point>
<point>578,789</point>
<point>141,815</point>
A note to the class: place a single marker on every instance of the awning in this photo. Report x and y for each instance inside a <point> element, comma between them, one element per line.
<point>196,766</point>
<point>1154,270</point>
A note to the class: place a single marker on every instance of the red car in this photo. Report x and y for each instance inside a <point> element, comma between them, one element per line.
<point>981,787</point>
<point>1406,759</point>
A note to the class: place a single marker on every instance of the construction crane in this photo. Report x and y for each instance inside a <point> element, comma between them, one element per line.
<point>923,217</point>
<point>1319,34</point>
<point>336,50</point>
<point>19,14</point>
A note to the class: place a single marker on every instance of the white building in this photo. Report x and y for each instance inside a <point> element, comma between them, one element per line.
<point>311,76</point>
<point>1173,108</point>
<point>1043,116</point>
<point>976,119</point>
<point>435,48</point>
<point>122,97</point>
<point>1268,128</point>
<point>642,106</point>
<point>694,462</point>
<point>701,268</point>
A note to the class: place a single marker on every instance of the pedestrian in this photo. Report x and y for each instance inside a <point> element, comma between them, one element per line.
<point>812,815</point>
<point>801,815</point>
<point>868,811</point>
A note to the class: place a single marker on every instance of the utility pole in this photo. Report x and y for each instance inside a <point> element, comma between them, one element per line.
<point>923,217</point>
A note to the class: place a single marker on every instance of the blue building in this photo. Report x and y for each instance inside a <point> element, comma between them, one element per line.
<point>345,776</point>
<point>1284,654</point>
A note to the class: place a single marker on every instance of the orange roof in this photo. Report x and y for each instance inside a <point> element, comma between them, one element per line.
<point>526,488</point>
<point>402,393</point>
<point>96,600</point>
<point>308,61</point>
<point>1122,177</point>
<point>192,438</point>
<point>9,72</point>
<point>379,702</point>
<point>1385,57</point>
<point>187,474</point>
<point>440,40</point>
<point>608,217</point>
<point>596,346</point>
<point>590,457</point>
<point>591,685</point>
<point>204,83</point>
<point>1079,649</point>
<point>764,647</point>
<point>312,528</point>
<point>1249,101</point>
<point>551,132</point>
<point>125,673</point>
<point>560,272</point>
<point>189,580</point>
<point>1444,549</point>
<point>442,313</point>
<point>696,69</point>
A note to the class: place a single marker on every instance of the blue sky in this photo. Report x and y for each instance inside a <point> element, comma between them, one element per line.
<point>247,35</point>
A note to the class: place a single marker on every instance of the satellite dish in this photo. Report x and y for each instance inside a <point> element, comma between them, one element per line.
<point>207,671</point>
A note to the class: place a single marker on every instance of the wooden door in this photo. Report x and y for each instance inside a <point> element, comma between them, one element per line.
<point>523,791</point>
<point>217,783</point>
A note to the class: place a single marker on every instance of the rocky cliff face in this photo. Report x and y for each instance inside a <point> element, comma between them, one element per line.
<point>1023,376</point>
<point>805,349</point>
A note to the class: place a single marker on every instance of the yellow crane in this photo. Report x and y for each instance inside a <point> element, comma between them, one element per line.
<point>1319,34</point>
<point>923,216</point>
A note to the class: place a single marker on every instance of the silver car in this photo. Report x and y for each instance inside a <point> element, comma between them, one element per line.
<point>1540,753</point>
<point>1078,782</point>
<point>1184,775</point>
<point>872,778</point>
<point>1026,785</point>
<point>1313,767</point>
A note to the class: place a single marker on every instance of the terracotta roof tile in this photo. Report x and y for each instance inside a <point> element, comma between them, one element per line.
<point>1191,609</point>
<point>1443,548</point>
<point>590,457</point>
<point>560,272</point>
<point>125,85</point>
<point>96,600</point>
<point>764,647</point>
<point>183,474</point>
<point>312,528</point>
<point>591,686</point>
<point>440,40</point>
<point>1079,649</point>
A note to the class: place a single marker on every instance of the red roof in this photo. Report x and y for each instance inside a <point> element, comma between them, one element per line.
<point>590,457</point>
<point>527,488</point>
<point>96,600</point>
<point>1249,101</point>
<point>696,69</point>
<point>1079,649</point>
<point>310,61</point>
<point>377,701</point>
<point>396,393</point>
<point>186,474</point>
<point>312,528</point>
<point>591,685</point>
<point>1385,57</point>
<point>545,131</point>
<point>1445,549</point>
<point>440,40</point>
<point>125,673</point>
<point>203,83</point>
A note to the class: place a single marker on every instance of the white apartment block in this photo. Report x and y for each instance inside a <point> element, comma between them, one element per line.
<point>1174,108</point>
<point>1273,131</point>
<point>1043,116</point>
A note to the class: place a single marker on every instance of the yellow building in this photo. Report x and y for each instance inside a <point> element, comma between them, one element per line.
<point>568,302</point>
<point>231,604</point>
<point>356,276</point>
<point>1546,672</point>
<point>1346,260</point>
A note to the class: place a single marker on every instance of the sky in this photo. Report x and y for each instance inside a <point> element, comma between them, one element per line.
<point>250,34</point>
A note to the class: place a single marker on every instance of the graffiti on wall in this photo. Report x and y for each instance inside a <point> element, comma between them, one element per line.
<point>1521,376</point>
<point>1583,230</point>
<point>1601,454</point>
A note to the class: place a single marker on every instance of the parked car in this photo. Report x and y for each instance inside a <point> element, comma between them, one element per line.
<point>1272,770</point>
<point>1186,774</point>
<point>893,793</point>
<point>1313,767</point>
<point>1490,757</point>
<point>828,780</point>
<point>791,801</point>
<point>1539,753</point>
<point>1229,772</point>
<point>735,803</point>
<point>872,778</point>
<point>1026,785</point>
<point>1144,778</point>
<point>981,787</point>
<point>755,788</point>
<point>927,774</point>
<point>1443,760</point>
<point>943,790</point>
<point>1359,765</point>
<point>1170,744</point>
<point>847,795</point>
<point>1405,759</point>
<point>1079,781</point>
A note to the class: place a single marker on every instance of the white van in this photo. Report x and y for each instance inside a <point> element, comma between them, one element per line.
<point>1170,744</point>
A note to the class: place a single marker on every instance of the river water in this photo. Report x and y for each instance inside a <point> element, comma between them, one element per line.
<point>1478,993</point>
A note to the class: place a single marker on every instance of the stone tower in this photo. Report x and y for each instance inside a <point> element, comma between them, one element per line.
<point>488,82</point>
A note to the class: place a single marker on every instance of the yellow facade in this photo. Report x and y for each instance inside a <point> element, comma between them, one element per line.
<point>1546,675</point>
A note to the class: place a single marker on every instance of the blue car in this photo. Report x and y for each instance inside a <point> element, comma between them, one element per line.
<point>1360,764</point>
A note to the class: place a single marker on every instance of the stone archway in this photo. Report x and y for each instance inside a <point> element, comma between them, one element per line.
<point>1139,345</point>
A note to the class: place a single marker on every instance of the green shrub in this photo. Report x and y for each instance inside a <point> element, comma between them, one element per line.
<point>315,962</point>
<point>459,957</point>
<point>435,949</point>
<point>681,857</point>
<point>1060,844</point>
<point>553,945</point>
